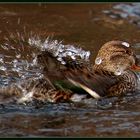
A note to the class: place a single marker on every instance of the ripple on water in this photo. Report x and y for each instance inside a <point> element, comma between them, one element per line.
<point>128,11</point>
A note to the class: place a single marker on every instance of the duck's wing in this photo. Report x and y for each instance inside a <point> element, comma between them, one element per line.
<point>75,73</point>
<point>70,64</point>
<point>94,84</point>
<point>59,58</point>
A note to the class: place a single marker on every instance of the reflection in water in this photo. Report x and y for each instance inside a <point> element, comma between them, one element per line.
<point>89,25</point>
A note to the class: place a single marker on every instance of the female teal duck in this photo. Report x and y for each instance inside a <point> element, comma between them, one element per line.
<point>113,74</point>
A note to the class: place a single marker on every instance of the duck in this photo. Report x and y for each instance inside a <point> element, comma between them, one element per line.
<point>111,74</point>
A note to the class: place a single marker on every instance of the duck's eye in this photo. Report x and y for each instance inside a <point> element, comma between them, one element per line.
<point>120,52</point>
<point>116,57</point>
<point>124,52</point>
<point>129,52</point>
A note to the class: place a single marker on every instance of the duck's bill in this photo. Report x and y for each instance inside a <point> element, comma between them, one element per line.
<point>88,90</point>
<point>136,68</point>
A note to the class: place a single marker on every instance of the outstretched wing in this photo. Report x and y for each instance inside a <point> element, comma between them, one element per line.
<point>94,84</point>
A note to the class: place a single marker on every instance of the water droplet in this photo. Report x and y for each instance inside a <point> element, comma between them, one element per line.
<point>87,54</point>
<point>41,75</point>
<point>59,59</point>
<point>98,61</point>
<point>3,68</point>
<point>1,60</point>
<point>27,65</point>
<point>33,55</point>
<point>125,44</point>
<point>62,46</point>
<point>73,57</point>
<point>4,47</point>
<point>61,50</point>
<point>18,55</point>
<point>16,69</point>
<point>69,53</point>
<point>34,62</point>
<point>56,41</point>
<point>15,61</point>
<point>23,76</point>
<point>56,53</point>
<point>27,96</point>
<point>63,62</point>
<point>118,72</point>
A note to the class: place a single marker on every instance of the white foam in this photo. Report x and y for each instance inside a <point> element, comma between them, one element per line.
<point>58,50</point>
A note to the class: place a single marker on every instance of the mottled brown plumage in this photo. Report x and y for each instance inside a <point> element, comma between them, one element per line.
<point>111,75</point>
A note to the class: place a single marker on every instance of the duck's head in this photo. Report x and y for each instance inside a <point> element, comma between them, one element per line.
<point>116,57</point>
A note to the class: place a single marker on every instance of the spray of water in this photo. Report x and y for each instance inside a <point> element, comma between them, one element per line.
<point>58,50</point>
<point>19,57</point>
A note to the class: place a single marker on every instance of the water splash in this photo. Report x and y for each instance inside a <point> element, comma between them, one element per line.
<point>3,68</point>
<point>58,50</point>
<point>27,96</point>
<point>19,58</point>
